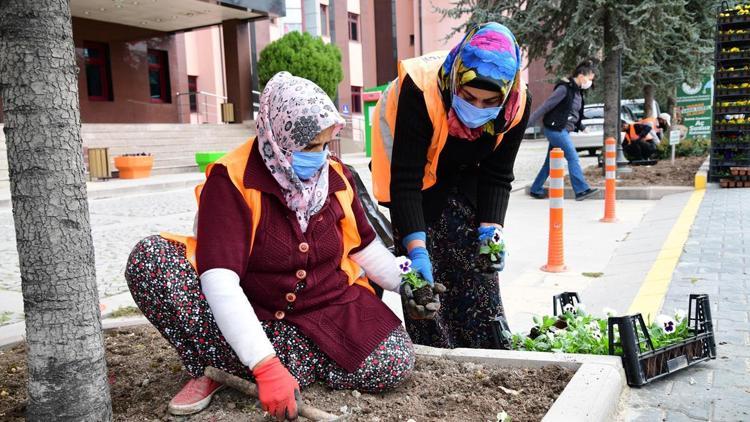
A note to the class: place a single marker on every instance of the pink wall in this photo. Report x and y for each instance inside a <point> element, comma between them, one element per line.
<point>434,27</point>
<point>405,28</point>
<point>204,59</point>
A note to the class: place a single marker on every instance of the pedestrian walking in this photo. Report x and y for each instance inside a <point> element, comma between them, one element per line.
<point>561,114</point>
<point>446,134</point>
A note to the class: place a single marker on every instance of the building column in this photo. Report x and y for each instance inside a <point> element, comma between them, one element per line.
<point>237,62</point>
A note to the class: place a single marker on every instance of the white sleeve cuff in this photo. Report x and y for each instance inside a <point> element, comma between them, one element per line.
<point>379,265</point>
<point>235,316</point>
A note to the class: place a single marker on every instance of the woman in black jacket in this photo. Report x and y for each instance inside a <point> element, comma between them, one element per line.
<point>562,113</point>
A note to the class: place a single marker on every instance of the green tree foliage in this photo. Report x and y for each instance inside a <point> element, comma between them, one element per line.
<point>305,56</point>
<point>662,42</point>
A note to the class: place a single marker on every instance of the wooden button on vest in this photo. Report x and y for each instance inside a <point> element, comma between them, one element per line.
<point>291,297</point>
<point>301,274</point>
<point>304,247</point>
<point>279,314</point>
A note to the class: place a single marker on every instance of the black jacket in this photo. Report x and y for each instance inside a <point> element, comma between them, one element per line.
<point>474,168</point>
<point>557,118</point>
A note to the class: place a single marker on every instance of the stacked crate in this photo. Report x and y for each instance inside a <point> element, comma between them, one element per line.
<point>730,141</point>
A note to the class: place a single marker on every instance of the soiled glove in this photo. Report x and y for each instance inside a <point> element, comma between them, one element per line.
<point>414,311</point>
<point>278,391</point>
<point>491,237</point>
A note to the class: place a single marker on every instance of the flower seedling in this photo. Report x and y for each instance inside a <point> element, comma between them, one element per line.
<point>494,248</point>
<point>420,287</point>
<point>575,331</point>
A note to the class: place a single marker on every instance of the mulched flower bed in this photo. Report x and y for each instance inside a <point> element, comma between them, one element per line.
<point>663,173</point>
<point>145,373</point>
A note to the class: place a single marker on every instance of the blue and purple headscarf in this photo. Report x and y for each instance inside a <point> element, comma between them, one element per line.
<point>488,58</point>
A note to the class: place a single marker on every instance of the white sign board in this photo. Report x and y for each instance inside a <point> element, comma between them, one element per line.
<point>674,137</point>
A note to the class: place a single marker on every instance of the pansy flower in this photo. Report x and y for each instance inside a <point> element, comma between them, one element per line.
<point>666,323</point>
<point>404,264</point>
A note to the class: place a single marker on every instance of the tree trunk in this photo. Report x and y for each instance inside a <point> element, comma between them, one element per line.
<point>39,88</point>
<point>671,103</point>
<point>611,77</point>
<point>649,92</point>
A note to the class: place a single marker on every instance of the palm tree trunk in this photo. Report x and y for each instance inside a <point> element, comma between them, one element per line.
<point>39,88</point>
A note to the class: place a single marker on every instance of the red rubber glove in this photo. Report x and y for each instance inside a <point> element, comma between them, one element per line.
<point>278,391</point>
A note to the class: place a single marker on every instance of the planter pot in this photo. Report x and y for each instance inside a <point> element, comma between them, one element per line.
<point>205,158</point>
<point>134,167</point>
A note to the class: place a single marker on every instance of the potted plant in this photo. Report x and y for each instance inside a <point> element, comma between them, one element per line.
<point>134,166</point>
<point>204,158</point>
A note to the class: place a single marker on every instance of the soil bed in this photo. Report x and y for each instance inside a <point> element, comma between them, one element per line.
<point>660,174</point>
<point>145,373</point>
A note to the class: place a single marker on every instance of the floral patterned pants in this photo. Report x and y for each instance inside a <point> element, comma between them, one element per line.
<point>167,290</point>
<point>472,299</point>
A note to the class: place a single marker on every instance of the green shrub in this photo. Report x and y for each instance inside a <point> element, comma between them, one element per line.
<point>305,56</point>
<point>687,148</point>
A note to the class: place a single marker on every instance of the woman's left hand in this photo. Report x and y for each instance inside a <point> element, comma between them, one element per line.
<point>491,244</point>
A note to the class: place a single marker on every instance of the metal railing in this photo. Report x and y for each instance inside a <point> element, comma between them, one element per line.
<point>205,113</point>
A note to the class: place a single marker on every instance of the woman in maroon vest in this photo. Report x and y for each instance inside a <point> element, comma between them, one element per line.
<point>284,315</point>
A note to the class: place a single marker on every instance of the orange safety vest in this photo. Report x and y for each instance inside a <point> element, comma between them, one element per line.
<point>631,134</point>
<point>235,162</point>
<point>424,72</point>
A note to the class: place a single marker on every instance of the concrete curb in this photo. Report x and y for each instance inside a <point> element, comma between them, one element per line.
<point>119,187</point>
<point>593,394</point>
<point>701,176</point>
<point>630,192</point>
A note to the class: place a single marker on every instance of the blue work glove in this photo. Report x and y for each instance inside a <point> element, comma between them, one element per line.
<point>491,249</point>
<point>420,261</point>
<point>420,258</point>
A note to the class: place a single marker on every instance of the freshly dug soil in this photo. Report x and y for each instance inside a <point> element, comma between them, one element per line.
<point>660,174</point>
<point>145,372</point>
<point>423,295</point>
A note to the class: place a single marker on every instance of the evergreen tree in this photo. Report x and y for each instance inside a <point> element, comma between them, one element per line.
<point>662,41</point>
<point>305,56</point>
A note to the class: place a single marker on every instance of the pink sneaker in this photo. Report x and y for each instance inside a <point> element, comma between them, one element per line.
<point>194,396</point>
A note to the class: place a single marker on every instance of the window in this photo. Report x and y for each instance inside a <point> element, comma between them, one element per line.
<point>98,74</point>
<point>193,93</point>
<point>158,76</point>
<point>411,40</point>
<point>324,20</point>
<point>356,99</point>
<point>353,27</point>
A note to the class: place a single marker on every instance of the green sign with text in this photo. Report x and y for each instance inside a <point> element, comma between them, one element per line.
<point>693,108</point>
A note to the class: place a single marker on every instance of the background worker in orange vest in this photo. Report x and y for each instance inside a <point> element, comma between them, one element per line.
<point>640,141</point>
<point>561,114</point>
<point>446,134</point>
<point>277,296</point>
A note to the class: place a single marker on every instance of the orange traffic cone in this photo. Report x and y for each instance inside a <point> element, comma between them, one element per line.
<point>610,187</point>
<point>555,256</point>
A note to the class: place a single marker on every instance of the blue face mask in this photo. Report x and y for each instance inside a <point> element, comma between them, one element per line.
<point>473,116</point>
<point>305,164</point>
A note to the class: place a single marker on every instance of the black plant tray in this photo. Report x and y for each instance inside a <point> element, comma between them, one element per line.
<point>734,38</point>
<point>642,367</point>
<point>733,92</point>
<point>734,74</point>
<point>732,110</point>
<point>734,18</point>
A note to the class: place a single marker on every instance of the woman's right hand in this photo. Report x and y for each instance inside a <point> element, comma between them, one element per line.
<point>278,391</point>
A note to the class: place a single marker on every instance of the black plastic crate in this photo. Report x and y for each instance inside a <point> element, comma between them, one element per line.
<point>642,367</point>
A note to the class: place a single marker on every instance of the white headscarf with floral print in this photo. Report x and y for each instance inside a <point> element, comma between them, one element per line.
<point>293,111</point>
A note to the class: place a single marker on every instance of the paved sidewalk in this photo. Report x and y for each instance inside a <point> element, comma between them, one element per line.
<point>716,261</point>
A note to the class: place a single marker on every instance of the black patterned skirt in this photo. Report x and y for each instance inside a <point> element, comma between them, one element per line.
<point>472,313</point>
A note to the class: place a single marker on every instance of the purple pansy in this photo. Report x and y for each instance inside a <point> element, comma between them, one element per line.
<point>404,264</point>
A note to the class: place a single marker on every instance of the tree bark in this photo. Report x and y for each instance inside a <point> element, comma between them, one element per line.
<point>649,92</point>
<point>39,88</point>
<point>611,75</point>
<point>671,103</point>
